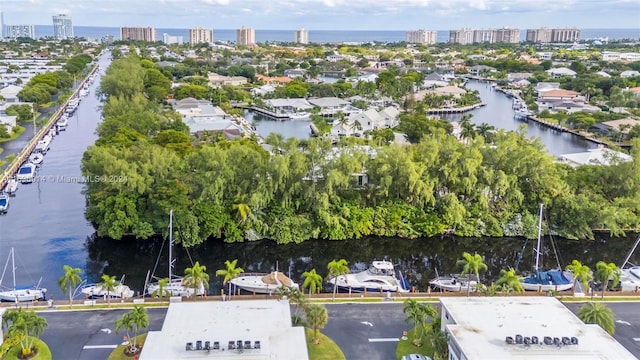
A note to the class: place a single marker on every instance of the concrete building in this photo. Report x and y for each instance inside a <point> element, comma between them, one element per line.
<point>172,39</point>
<point>565,35</point>
<point>542,35</point>
<point>539,327</point>
<point>612,56</point>
<point>301,36</point>
<point>245,36</point>
<point>485,36</point>
<point>508,35</point>
<point>421,36</point>
<point>251,329</point>
<point>62,27</point>
<point>16,31</point>
<point>462,36</point>
<point>138,33</point>
<point>200,35</point>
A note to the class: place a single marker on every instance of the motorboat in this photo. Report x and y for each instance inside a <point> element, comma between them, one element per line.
<point>62,123</point>
<point>176,285</point>
<point>36,158</point>
<point>97,291</point>
<point>43,145</point>
<point>630,275</point>
<point>261,283</point>
<point>300,116</point>
<point>4,203</point>
<point>380,276</point>
<point>20,293</point>
<point>545,281</point>
<point>11,187</point>
<point>455,283</point>
<point>26,173</point>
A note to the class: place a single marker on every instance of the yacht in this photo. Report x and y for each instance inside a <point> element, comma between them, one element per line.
<point>380,276</point>
<point>455,283</point>
<point>20,293</point>
<point>11,187</point>
<point>96,291</point>
<point>27,173</point>
<point>4,203</point>
<point>43,145</point>
<point>62,123</point>
<point>299,115</point>
<point>262,283</point>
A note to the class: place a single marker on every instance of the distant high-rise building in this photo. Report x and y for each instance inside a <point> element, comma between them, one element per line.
<point>462,36</point>
<point>542,35</point>
<point>138,33</point>
<point>62,27</point>
<point>485,36</point>
<point>245,36</point>
<point>565,35</point>
<point>301,36</point>
<point>200,35</point>
<point>1,25</point>
<point>16,31</point>
<point>172,39</point>
<point>508,35</point>
<point>421,37</point>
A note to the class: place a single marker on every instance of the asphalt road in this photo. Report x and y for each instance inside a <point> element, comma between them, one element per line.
<point>88,335</point>
<point>627,323</point>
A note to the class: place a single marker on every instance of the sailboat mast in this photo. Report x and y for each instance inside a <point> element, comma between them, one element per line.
<point>539,239</point>
<point>170,244</point>
<point>13,267</point>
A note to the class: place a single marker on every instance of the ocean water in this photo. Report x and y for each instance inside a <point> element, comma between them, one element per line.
<point>319,36</point>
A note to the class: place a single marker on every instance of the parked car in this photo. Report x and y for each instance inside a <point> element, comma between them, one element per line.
<point>415,357</point>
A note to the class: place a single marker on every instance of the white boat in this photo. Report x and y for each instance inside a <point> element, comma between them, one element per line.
<point>97,291</point>
<point>455,283</point>
<point>300,116</point>
<point>36,158</point>
<point>630,275</point>
<point>27,173</point>
<point>4,203</point>
<point>20,293</point>
<point>84,92</point>
<point>545,281</point>
<point>11,187</point>
<point>262,283</point>
<point>380,276</point>
<point>62,123</point>
<point>43,145</point>
<point>176,286</point>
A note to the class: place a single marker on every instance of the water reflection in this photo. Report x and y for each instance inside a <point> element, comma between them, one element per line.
<point>287,128</point>
<point>418,259</point>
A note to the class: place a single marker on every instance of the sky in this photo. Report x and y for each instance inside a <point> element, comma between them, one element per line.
<point>329,14</point>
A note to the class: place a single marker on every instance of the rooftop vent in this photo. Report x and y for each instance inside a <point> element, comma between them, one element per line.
<point>509,340</point>
<point>189,346</point>
<point>574,341</point>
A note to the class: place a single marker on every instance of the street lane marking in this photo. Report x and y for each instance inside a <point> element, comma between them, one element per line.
<point>384,340</point>
<point>366,323</point>
<point>88,347</point>
<point>636,339</point>
<point>623,322</point>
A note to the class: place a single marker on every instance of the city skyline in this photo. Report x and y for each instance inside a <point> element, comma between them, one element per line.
<point>343,15</point>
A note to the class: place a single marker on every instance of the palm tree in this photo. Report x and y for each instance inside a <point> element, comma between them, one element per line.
<point>471,264</point>
<point>231,272</point>
<point>581,273</point>
<point>243,210</point>
<point>162,288</point>
<point>140,321</point>
<point>337,268</point>
<point>317,318</point>
<point>606,272</point>
<point>509,281</point>
<point>196,277</point>
<point>28,326</point>
<point>108,283</point>
<point>419,314</point>
<point>598,313</point>
<point>69,280</point>
<point>313,281</point>
<point>297,298</point>
<point>439,339</point>
<point>125,322</point>
<point>486,131</point>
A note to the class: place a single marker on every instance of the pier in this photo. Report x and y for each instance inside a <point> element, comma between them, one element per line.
<point>262,111</point>
<point>561,128</point>
<point>23,155</point>
<point>455,110</point>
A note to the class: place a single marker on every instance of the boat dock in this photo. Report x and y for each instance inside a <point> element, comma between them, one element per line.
<point>455,110</point>
<point>23,155</point>
<point>262,111</point>
<point>560,128</point>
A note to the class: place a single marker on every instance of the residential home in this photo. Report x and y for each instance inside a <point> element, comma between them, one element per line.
<point>603,74</point>
<point>295,73</point>
<point>546,86</point>
<point>559,94</point>
<point>283,106</point>
<point>263,90</point>
<point>518,76</point>
<point>217,80</point>
<point>9,122</point>
<point>556,73</point>
<point>522,83</point>
<point>600,156</point>
<point>621,125</point>
<point>566,106</point>
<point>629,74</point>
<point>166,63</point>
<point>635,90</point>
<point>276,80</point>
<point>10,93</point>
<point>434,80</point>
<point>450,90</point>
<point>481,69</point>
<point>358,123</point>
<point>199,125</point>
<point>545,55</point>
<point>329,106</point>
<point>191,107</point>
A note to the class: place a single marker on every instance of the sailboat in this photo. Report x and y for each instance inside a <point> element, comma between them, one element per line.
<point>550,280</point>
<point>630,273</point>
<point>20,293</point>
<point>176,285</point>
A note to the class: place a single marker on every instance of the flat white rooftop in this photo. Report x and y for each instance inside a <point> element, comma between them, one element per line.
<point>478,328</point>
<point>266,321</point>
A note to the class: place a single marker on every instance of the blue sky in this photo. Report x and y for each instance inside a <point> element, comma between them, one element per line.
<point>330,14</point>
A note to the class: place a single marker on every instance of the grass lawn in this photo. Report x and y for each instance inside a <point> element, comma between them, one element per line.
<point>14,135</point>
<point>118,353</point>
<point>326,350</point>
<point>406,347</point>
<point>43,351</point>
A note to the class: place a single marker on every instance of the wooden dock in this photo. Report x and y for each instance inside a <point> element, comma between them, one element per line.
<point>455,110</point>
<point>561,128</point>
<point>23,155</point>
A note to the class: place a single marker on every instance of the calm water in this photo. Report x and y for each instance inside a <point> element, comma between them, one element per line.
<point>321,36</point>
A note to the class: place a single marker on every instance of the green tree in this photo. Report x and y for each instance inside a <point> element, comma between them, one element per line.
<point>605,273</point>
<point>600,314</point>
<point>317,317</point>
<point>69,281</point>
<point>509,281</point>
<point>472,264</point>
<point>230,272</point>
<point>108,283</point>
<point>312,281</point>
<point>337,268</point>
<point>162,288</point>
<point>581,273</point>
<point>419,314</point>
<point>197,278</point>
<point>28,326</point>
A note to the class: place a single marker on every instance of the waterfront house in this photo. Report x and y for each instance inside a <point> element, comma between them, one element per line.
<point>518,76</point>
<point>358,123</point>
<point>481,70</point>
<point>559,94</point>
<point>600,156</point>
<point>522,83</point>
<point>263,90</point>
<point>329,106</point>
<point>194,107</point>
<point>566,106</point>
<point>621,125</point>
<point>10,93</point>
<point>276,80</point>
<point>434,80</point>
<point>629,74</point>
<point>603,74</point>
<point>556,73</point>
<point>635,90</point>
<point>284,106</point>
<point>217,80</point>
<point>546,86</point>
<point>450,90</point>
<point>9,122</point>
<point>295,73</point>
